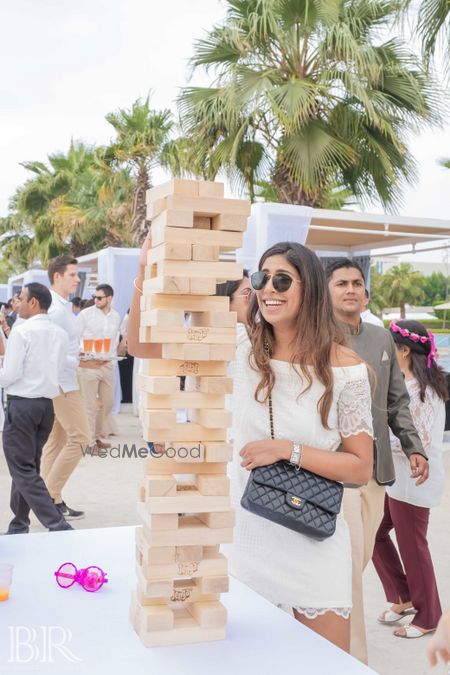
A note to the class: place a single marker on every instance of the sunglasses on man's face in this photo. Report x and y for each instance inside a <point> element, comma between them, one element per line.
<point>281,282</point>
<point>98,297</point>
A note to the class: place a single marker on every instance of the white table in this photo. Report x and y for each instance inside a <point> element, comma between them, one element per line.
<point>261,639</point>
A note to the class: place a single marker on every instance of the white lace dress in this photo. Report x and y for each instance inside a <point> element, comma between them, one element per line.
<point>429,419</point>
<point>290,569</point>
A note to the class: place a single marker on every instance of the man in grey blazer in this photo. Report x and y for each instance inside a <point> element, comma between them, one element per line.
<point>363,506</point>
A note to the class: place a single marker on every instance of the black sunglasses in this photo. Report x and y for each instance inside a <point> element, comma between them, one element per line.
<point>281,282</point>
<point>99,297</point>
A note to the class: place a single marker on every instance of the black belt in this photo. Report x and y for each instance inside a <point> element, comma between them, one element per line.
<point>12,397</point>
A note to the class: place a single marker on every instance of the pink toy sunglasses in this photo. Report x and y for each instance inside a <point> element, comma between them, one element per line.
<point>91,578</point>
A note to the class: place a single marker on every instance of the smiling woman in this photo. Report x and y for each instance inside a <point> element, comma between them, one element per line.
<point>295,376</point>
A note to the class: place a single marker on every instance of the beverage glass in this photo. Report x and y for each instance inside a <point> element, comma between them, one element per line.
<point>106,345</point>
<point>88,345</point>
<point>5,580</point>
<point>98,345</point>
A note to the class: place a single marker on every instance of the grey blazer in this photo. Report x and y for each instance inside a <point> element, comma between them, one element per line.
<point>390,402</point>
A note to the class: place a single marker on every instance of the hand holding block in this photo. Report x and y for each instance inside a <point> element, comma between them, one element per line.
<point>212,485</point>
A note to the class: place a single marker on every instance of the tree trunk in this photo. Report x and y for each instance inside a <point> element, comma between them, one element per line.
<point>289,191</point>
<point>402,310</point>
<point>139,224</point>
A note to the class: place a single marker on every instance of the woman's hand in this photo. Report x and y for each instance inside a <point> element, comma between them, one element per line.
<point>261,453</point>
<point>146,246</point>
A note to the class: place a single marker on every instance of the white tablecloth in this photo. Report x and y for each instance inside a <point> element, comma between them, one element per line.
<point>261,639</point>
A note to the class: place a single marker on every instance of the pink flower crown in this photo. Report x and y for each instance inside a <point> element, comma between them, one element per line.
<point>404,332</point>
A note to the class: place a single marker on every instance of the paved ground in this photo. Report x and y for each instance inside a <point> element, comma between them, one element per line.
<point>106,489</point>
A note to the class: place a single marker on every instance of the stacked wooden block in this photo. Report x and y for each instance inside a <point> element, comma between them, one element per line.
<point>184,498</point>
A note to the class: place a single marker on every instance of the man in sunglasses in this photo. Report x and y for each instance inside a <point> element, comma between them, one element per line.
<point>100,323</point>
<point>363,506</point>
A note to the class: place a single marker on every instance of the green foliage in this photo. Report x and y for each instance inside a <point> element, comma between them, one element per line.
<point>402,285</point>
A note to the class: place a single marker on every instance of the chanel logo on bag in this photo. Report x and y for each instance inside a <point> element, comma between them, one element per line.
<point>296,501</point>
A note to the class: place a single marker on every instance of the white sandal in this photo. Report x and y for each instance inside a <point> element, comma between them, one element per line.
<point>389,616</point>
<point>412,632</point>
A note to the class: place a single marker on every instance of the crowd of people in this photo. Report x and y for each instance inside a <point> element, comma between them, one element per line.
<point>317,385</point>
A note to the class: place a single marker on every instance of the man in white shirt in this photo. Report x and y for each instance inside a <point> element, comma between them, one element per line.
<point>99,322</point>
<point>33,363</point>
<point>70,435</point>
<point>366,315</point>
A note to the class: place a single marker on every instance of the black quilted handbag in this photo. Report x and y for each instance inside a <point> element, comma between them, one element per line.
<point>294,498</point>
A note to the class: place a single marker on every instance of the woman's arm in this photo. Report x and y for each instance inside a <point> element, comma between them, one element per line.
<point>136,348</point>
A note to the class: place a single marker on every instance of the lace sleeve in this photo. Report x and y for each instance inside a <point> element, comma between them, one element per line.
<point>422,414</point>
<point>354,408</point>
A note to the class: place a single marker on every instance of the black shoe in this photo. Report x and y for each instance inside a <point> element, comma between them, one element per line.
<point>64,526</point>
<point>16,532</point>
<point>68,513</point>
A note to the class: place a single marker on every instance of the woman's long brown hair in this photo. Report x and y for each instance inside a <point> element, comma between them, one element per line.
<point>316,329</point>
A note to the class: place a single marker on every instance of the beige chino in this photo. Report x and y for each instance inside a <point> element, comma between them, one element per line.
<point>97,382</point>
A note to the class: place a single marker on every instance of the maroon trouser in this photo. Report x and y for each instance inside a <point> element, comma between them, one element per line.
<point>414,581</point>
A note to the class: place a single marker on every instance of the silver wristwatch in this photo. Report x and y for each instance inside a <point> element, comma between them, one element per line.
<point>296,454</point>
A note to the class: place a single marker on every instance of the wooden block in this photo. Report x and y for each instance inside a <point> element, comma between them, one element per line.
<point>191,531</point>
<point>168,335</point>
<point>186,352</point>
<point>183,399</point>
<point>212,485</point>
<point>141,493</point>
<point>176,186</point>
<point>218,452</point>
<point>179,269</point>
<point>205,253</point>
<point>202,222</point>
<point>202,286</point>
<point>214,319</point>
<point>185,630</point>
<point>166,284</point>
<point>162,318</point>
<point>201,206</point>
<point>188,554</point>
<point>153,555</point>
<point>156,465</point>
<point>160,419</point>
<point>222,352</point>
<point>212,419</point>
<point>188,500</point>
<point>213,585</point>
<point>177,367</point>
<point>161,385</point>
<point>229,222</point>
<point>160,617</point>
<point>185,432</point>
<point>165,521</point>
<point>185,303</point>
<point>214,385</point>
<point>169,251</point>
<point>164,231</point>
<point>218,519</point>
<point>171,218</point>
<point>208,614</point>
<point>178,453</point>
<point>160,486</point>
<point>209,188</point>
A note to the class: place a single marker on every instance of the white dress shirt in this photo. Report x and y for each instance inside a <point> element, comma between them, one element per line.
<point>61,314</point>
<point>94,323</point>
<point>35,359</point>
<point>369,317</point>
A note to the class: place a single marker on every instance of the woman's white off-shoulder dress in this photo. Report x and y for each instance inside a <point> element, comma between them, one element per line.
<point>288,568</point>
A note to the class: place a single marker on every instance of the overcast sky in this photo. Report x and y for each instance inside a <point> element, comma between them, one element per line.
<point>66,64</point>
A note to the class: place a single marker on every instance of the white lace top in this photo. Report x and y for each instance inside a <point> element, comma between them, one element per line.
<point>288,568</point>
<point>429,419</point>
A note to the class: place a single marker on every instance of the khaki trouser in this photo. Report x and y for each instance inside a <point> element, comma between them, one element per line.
<point>363,511</point>
<point>97,382</point>
<point>68,440</point>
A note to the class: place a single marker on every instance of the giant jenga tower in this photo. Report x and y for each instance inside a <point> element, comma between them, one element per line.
<point>184,499</point>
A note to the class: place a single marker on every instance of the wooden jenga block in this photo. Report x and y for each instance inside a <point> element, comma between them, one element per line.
<point>205,253</point>
<point>186,352</point>
<point>169,251</point>
<point>160,486</point>
<point>153,555</point>
<point>218,452</point>
<point>191,531</point>
<point>165,231</point>
<point>230,222</point>
<point>202,286</point>
<point>165,284</point>
<point>208,614</point>
<point>187,500</point>
<point>222,352</point>
<point>213,585</point>
<point>182,432</point>
<point>162,318</point>
<point>212,485</point>
<point>188,554</point>
<point>183,399</point>
<point>167,453</point>
<point>214,319</point>
<point>212,419</point>
<point>164,521</point>
<point>184,335</point>
<point>192,269</point>
<point>177,367</point>
<point>218,519</point>
<point>171,219</point>
<point>201,206</point>
<point>185,630</point>
<point>159,384</point>
<point>176,186</point>
<point>214,385</point>
<point>185,303</point>
<point>159,617</point>
<point>160,419</point>
<point>159,465</point>
<point>209,188</point>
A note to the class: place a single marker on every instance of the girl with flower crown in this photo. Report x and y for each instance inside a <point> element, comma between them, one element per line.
<point>407,575</point>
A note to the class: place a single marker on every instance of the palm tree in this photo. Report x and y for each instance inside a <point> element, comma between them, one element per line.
<point>141,136</point>
<point>401,285</point>
<point>309,97</point>
<point>434,27</point>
